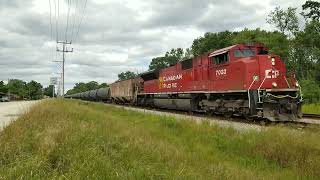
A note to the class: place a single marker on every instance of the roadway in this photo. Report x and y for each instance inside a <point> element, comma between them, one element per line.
<point>10,111</point>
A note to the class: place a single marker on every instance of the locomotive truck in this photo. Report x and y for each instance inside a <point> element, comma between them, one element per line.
<point>242,79</point>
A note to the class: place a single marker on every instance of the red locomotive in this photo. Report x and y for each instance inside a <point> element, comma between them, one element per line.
<point>242,79</point>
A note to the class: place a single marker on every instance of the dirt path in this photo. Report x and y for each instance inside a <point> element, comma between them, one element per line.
<point>10,111</point>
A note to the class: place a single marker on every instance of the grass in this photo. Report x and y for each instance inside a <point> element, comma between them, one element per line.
<point>69,139</point>
<point>313,108</point>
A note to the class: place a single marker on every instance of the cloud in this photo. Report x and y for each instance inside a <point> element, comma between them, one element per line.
<point>115,35</point>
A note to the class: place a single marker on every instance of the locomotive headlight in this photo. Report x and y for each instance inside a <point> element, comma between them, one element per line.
<point>274,84</point>
<point>273,61</point>
<point>297,84</point>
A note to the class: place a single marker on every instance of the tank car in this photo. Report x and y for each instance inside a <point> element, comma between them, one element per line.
<point>102,94</point>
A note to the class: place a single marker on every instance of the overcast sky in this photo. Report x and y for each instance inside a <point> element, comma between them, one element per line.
<point>115,35</point>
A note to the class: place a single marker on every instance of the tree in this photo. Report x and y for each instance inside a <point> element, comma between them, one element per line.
<point>34,90</point>
<point>188,54</point>
<point>82,87</point>
<point>310,90</point>
<point>277,42</point>
<point>126,75</point>
<point>158,63</point>
<point>17,87</point>
<point>174,55</point>
<point>311,10</point>
<point>48,91</point>
<point>284,20</point>
<point>169,59</point>
<point>211,41</point>
<point>103,85</point>
<point>92,85</point>
<point>3,87</point>
<point>306,51</point>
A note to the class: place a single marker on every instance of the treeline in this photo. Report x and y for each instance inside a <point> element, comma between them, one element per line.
<point>298,48</point>
<point>82,87</point>
<point>25,90</point>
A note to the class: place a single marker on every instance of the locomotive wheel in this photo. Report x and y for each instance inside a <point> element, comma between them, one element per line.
<point>248,117</point>
<point>209,113</point>
<point>228,115</point>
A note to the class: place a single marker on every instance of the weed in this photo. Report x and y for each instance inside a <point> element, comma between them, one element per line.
<point>76,139</point>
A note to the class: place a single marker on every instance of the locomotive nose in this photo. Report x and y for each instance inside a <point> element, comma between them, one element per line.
<point>272,72</point>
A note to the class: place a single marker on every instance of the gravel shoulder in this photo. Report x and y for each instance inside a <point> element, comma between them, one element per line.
<point>310,121</point>
<point>222,123</point>
<point>10,111</point>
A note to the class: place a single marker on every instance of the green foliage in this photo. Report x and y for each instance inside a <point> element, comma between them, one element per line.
<point>82,87</point>
<point>60,139</point>
<point>103,85</point>
<point>169,59</point>
<point>313,108</point>
<point>92,85</point>
<point>311,10</point>
<point>310,90</point>
<point>158,63</point>
<point>284,20</point>
<point>126,75</point>
<point>30,90</point>
<point>34,90</point>
<point>17,87</point>
<point>277,42</point>
<point>48,91</point>
<point>3,87</point>
<point>305,56</point>
<point>211,41</point>
<point>188,54</point>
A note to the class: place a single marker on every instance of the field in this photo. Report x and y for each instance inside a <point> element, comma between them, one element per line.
<point>311,108</point>
<point>71,139</point>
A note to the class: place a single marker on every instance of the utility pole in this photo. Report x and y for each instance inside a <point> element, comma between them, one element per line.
<point>9,94</point>
<point>64,50</point>
<point>53,91</point>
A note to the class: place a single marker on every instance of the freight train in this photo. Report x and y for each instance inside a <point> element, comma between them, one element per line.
<point>243,80</point>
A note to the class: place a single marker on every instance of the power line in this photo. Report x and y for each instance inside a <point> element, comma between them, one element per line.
<point>67,20</point>
<point>58,18</point>
<point>74,18</point>
<point>78,16</point>
<point>55,15</point>
<point>51,34</point>
<point>83,12</point>
<point>50,20</point>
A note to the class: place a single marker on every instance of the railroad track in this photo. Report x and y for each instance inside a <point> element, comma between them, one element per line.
<point>312,116</point>
<point>308,119</point>
<point>237,119</point>
<point>301,123</point>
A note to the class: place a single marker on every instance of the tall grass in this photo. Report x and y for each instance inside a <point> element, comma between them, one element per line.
<point>80,140</point>
<point>313,108</point>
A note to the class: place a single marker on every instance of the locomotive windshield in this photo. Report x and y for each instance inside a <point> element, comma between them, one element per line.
<point>243,53</point>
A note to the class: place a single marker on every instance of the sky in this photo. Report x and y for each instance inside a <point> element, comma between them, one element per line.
<point>114,35</point>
